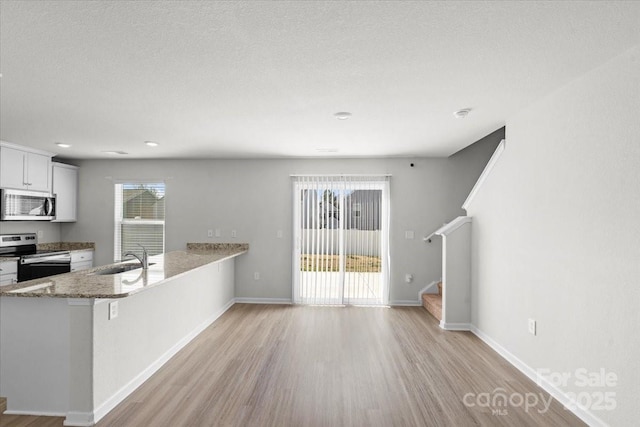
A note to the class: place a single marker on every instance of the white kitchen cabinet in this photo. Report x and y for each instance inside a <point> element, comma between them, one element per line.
<point>81,260</point>
<point>8,272</point>
<point>65,188</point>
<point>23,168</point>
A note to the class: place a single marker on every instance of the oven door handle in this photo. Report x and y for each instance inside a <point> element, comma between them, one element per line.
<point>57,259</point>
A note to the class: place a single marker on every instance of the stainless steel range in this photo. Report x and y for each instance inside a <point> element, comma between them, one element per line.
<point>33,263</point>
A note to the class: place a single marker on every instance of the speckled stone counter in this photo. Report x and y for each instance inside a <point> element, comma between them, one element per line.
<point>66,246</point>
<point>87,284</point>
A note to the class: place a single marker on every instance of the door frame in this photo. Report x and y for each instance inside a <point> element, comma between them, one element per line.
<point>377,182</point>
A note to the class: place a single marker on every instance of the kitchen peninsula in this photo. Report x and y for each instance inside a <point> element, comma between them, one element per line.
<point>77,344</point>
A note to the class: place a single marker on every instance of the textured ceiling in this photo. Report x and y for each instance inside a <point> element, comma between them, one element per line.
<point>263,79</point>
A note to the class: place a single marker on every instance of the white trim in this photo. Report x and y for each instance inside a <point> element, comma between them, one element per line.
<point>27,149</point>
<point>80,419</point>
<point>485,173</point>
<point>248,300</point>
<point>455,326</point>
<point>426,288</point>
<point>405,303</point>
<point>338,175</point>
<point>34,413</point>
<point>542,382</point>
<point>127,389</point>
<point>57,164</point>
<point>449,228</point>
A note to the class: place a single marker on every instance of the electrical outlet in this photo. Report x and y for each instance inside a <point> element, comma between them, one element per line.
<point>408,234</point>
<point>408,277</point>
<point>234,233</point>
<point>113,310</point>
<point>279,234</point>
<point>218,232</point>
<point>40,234</point>
<point>209,233</point>
<point>256,276</point>
<point>532,326</point>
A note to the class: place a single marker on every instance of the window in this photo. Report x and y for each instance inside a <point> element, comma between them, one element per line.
<point>139,218</point>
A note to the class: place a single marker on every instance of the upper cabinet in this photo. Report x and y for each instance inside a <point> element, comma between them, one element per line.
<point>65,188</point>
<point>24,168</point>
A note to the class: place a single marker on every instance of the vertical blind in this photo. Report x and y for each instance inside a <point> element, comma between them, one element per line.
<point>139,218</point>
<point>341,232</point>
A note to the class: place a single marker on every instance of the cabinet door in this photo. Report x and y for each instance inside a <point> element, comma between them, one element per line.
<point>65,188</point>
<point>8,279</point>
<point>12,172</point>
<point>8,273</point>
<point>39,172</point>
<point>77,266</point>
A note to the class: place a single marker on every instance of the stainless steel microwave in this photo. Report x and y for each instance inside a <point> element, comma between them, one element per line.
<point>20,205</point>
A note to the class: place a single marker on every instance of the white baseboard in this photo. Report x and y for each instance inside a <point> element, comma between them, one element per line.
<point>247,300</point>
<point>121,394</point>
<point>455,326</point>
<point>546,385</point>
<point>79,419</point>
<point>35,413</point>
<point>405,303</point>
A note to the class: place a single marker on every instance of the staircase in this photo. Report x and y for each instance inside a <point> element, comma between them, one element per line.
<point>433,303</point>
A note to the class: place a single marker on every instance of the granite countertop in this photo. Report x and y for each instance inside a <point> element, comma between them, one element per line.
<point>58,246</point>
<point>85,284</point>
<point>66,246</point>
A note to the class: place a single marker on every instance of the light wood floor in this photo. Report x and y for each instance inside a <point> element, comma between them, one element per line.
<point>315,366</point>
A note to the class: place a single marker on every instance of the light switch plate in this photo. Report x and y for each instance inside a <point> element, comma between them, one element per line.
<point>532,326</point>
<point>409,234</point>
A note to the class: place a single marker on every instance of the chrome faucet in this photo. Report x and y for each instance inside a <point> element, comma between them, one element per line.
<point>145,259</point>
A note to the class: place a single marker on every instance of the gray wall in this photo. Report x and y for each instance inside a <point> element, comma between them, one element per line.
<point>254,197</point>
<point>50,230</point>
<point>468,163</point>
<point>556,235</point>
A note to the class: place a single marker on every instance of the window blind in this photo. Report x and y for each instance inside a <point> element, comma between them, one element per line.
<point>341,234</point>
<point>139,218</point>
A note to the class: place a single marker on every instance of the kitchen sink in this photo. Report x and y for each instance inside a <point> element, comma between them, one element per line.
<point>118,269</point>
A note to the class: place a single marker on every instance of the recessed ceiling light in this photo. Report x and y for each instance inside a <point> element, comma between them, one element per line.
<point>63,145</point>
<point>461,114</point>
<point>342,115</point>
<point>115,152</point>
<point>151,143</point>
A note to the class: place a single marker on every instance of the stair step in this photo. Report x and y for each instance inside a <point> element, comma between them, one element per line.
<point>3,404</point>
<point>433,304</point>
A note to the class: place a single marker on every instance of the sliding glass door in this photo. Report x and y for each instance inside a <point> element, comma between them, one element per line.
<point>341,234</point>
